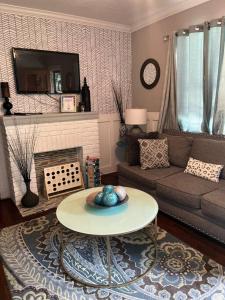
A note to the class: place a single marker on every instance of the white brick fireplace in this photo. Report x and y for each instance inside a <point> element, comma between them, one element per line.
<point>55,132</point>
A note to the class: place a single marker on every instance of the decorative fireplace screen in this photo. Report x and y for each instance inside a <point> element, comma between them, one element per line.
<point>63,179</point>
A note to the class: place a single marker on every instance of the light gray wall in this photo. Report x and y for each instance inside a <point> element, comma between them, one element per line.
<point>148,43</point>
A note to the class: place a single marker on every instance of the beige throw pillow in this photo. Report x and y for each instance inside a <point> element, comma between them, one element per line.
<point>202,169</point>
<point>153,153</point>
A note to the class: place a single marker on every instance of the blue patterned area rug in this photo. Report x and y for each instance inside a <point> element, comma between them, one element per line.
<point>30,252</point>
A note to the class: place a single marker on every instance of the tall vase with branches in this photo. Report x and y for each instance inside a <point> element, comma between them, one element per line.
<point>121,105</point>
<point>21,146</point>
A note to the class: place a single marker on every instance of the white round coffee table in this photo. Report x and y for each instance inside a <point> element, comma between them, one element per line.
<point>140,210</point>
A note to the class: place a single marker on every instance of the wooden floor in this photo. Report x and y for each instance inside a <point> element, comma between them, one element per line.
<point>9,215</point>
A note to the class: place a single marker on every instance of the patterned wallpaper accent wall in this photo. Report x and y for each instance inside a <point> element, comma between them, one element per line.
<point>105,55</point>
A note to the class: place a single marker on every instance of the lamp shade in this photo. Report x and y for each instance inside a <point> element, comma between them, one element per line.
<point>136,116</point>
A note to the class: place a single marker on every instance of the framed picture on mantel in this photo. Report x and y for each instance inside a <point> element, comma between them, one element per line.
<point>68,104</point>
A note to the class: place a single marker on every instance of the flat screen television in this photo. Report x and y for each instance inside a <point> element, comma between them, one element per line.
<point>46,72</point>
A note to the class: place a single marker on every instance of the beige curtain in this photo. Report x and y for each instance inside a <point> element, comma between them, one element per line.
<point>168,112</point>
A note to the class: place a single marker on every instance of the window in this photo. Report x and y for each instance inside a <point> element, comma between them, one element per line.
<point>190,81</point>
<point>200,71</point>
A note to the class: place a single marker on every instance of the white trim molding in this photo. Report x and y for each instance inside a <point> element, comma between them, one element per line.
<point>62,17</point>
<point>163,14</point>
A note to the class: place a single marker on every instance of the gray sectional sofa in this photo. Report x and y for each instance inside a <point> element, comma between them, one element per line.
<point>195,201</point>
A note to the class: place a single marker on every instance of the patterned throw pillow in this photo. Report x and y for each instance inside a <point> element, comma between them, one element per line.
<point>203,169</point>
<point>133,147</point>
<point>153,154</point>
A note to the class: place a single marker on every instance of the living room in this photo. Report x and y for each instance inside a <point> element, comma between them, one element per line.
<point>112,149</point>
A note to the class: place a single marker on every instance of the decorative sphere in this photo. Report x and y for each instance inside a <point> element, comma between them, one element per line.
<point>108,189</point>
<point>110,199</point>
<point>121,192</point>
<point>99,198</point>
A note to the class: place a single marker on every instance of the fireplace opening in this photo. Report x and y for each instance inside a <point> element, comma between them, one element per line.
<point>54,158</point>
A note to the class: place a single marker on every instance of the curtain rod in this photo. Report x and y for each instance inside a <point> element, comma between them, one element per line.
<point>196,28</point>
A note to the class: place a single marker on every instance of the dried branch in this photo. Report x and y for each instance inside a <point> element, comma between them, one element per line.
<point>118,98</point>
<point>21,146</point>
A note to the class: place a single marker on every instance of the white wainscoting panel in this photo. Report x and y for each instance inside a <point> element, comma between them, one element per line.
<point>152,121</point>
<point>4,173</point>
<point>109,125</point>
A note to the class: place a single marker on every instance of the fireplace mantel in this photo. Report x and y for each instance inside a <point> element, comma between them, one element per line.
<point>56,131</point>
<point>47,118</point>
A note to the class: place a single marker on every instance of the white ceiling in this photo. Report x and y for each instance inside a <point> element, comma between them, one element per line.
<point>132,13</point>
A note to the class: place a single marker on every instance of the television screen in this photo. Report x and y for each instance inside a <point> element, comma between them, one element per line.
<point>46,72</point>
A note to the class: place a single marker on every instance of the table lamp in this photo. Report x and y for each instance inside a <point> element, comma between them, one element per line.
<point>135,117</point>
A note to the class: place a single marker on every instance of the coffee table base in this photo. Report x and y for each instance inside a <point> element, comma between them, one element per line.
<point>108,247</point>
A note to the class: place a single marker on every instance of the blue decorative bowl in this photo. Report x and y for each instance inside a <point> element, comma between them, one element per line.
<point>90,200</point>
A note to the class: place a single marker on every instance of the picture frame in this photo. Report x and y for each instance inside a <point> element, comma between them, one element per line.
<point>68,104</point>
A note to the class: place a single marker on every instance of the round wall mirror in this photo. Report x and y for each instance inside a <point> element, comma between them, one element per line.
<point>150,73</point>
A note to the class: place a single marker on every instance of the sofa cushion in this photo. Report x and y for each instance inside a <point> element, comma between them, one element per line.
<point>146,177</point>
<point>179,149</point>
<point>185,189</point>
<point>213,205</point>
<point>210,151</point>
<point>133,147</point>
